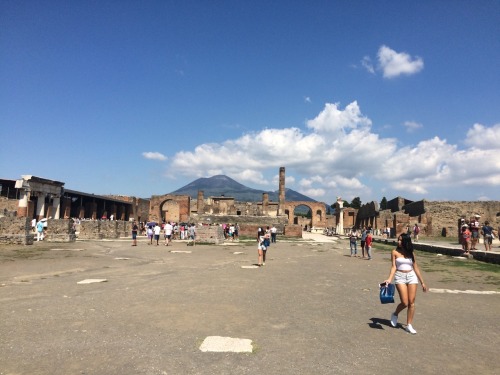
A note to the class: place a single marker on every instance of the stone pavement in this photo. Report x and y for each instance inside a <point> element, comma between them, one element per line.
<point>311,310</point>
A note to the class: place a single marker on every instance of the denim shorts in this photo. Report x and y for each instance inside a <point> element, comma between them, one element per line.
<point>405,277</point>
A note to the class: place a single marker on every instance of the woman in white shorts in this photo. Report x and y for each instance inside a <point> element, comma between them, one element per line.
<point>406,277</point>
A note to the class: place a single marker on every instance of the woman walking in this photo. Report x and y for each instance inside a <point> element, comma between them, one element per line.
<point>406,277</point>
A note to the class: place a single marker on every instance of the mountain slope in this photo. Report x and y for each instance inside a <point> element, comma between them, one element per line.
<point>222,185</point>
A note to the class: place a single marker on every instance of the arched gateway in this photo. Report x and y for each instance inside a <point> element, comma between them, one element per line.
<point>318,212</point>
<point>169,208</point>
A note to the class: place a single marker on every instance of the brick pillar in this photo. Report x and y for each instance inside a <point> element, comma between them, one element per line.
<point>22,206</point>
<point>200,203</point>
<point>281,202</point>
<point>66,208</point>
<point>265,203</point>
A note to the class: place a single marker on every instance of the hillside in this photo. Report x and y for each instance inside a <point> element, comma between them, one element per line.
<point>226,186</point>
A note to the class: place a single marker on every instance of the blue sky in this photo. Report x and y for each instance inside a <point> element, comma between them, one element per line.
<point>354,98</point>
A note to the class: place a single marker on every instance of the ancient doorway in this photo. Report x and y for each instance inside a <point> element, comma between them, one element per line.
<point>302,215</point>
<point>170,211</point>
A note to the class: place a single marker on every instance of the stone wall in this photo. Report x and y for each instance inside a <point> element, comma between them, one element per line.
<point>210,234</point>
<point>16,230</point>
<point>60,230</point>
<point>8,207</point>
<point>100,229</point>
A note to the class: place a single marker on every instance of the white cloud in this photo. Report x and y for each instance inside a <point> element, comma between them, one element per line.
<point>154,156</point>
<point>394,64</point>
<point>412,126</point>
<point>368,65</point>
<point>314,193</point>
<point>339,154</point>
<point>480,136</point>
<point>332,119</point>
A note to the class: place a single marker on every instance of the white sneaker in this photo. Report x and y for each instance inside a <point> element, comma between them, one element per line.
<point>394,320</point>
<point>409,328</point>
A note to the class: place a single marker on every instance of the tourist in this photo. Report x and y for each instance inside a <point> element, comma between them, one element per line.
<point>157,231</point>
<point>150,234</point>
<point>416,231</point>
<point>466,239</point>
<point>261,249</point>
<point>192,234</point>
<point>368,244</point>
<point>353,237</point>
<point>168,229</point>
<point>273,234</point>
<point>175,235</point>
<point>236,231</point>
<point>363,240</point>
<point>474,229</point>
<point>267,237</point>
<point>39,231</point>
<point>135,228</point>
<point>487,233</point>
<point>406,275</point>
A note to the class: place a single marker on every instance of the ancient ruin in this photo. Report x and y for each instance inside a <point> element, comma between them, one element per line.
<point>110,216</point>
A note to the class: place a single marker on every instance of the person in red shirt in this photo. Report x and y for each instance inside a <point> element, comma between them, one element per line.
<point>368,244</point>
<point>466,239</point>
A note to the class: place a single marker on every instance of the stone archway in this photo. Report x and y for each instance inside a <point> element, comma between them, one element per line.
<point>170,211</point>
<point>318,212</point>
<point>172,207</point>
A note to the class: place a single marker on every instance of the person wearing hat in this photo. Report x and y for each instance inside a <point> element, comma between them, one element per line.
<point>474,229</point>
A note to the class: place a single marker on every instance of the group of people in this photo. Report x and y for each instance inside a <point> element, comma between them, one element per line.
<point>470,231</point>
<point>366,242</point>
<point>231,231</point>
<point>170,232</point>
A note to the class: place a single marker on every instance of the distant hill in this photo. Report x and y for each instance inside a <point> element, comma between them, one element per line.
<point>219,185</point>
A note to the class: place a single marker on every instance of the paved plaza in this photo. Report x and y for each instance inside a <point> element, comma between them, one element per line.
<point>105,307</point>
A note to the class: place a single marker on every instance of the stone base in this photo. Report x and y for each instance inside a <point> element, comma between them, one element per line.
<point>16,239</point>
<point>60,238</point>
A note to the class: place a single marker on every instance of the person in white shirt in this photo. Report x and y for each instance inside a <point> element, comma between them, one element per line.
<point>157,231</point>
<point>168,233</point>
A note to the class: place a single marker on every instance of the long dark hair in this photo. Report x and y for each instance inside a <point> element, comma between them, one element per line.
<point>406,246</point>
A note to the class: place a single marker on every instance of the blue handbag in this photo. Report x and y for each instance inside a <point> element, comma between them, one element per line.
<point>387,293</point>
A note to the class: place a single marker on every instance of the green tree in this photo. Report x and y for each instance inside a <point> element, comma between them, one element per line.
<point>356,203</point>
<point>383,203</point>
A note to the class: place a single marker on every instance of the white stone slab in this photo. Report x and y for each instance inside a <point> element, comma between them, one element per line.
<point>181,251</point>
<point>66,249</point>
<point>238,252</point>
<point>91,281</point>
<point>250,267</point>
<point>434,290</point>
<point>226,344</point>
<point>122,258</point>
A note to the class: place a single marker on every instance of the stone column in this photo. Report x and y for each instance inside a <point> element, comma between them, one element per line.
<point>200,205</point>
<point>56,203</point>
<point>40,206</point>
<point>340,225</point>
<point>281,202</point>
<point>265,203</point>
<point>22,207</point>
